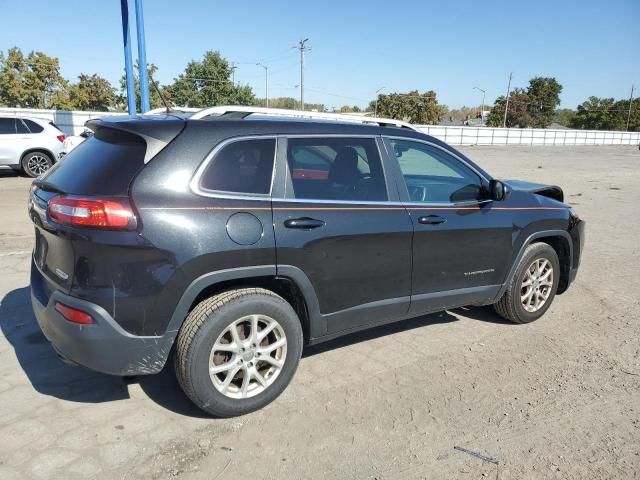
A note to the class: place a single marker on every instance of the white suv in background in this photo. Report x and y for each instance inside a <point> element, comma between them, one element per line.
<point>29,144</point>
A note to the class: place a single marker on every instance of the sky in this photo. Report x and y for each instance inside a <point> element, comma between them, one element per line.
<point>592,47</point>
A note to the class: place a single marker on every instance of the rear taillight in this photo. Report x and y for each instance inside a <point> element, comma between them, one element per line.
<point>73,314</point>
<point>92,212</point>
<point>60,137</point>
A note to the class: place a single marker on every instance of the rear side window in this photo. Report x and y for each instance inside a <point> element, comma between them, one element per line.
<point>245,166</point>
<point>7,125</point>
<point>33,126</point>
<point>21,127</point>
<point>105,164</point>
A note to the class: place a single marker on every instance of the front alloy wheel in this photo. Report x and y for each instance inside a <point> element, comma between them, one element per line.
<point>532,288</point>
<point>536,285</point>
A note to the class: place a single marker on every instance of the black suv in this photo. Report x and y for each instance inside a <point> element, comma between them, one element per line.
<point>228,242</point>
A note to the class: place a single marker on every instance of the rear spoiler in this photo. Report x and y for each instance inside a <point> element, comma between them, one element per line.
<point>156,132</point>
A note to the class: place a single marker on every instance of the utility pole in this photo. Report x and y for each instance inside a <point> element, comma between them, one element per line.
<point>506,105</point>
<point>266,83</point>
<point>481,111</point>
<point>233,72</point>
<point>303,48</point>
<point>375,114</point>
<point>630,103</point>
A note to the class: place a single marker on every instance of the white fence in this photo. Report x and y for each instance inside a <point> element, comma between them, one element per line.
<point>73,123</point>
<point>528,136</point>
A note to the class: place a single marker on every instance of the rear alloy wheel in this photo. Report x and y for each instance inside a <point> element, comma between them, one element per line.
<point>238,350</point>
<point>35,164</point>
<point>248,356</point>
<point>531,290</point>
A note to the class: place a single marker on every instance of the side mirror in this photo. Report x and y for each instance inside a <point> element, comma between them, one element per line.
<point>497,190</point>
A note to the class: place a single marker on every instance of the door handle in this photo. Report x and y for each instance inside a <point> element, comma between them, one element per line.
<point>303,223</point>
<point>431,220</point>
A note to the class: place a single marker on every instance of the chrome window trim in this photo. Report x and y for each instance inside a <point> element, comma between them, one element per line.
<point>196,188</point>
<point>374,137</point>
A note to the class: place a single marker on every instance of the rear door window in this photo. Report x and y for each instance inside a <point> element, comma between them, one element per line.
<point>21,127</point>
<point>243,166</point>
<point>7,125</point>
<point>336,169</point>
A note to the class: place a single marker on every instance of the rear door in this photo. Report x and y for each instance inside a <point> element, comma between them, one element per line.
<point>339,223</point>
<point>11,140</point>
<point>461,244</point>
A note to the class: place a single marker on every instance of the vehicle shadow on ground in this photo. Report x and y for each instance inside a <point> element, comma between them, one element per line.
<point>51,376</point>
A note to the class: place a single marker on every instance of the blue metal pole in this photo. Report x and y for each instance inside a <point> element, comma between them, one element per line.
<point>128,64</point>
<point>142,60</point>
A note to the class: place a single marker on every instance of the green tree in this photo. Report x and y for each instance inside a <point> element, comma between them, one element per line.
<point>607,114</point>
<point>349,109</point>
<point>518,114</point>
<point>154,98</point>
<point>564,116</point>
<point>414,107</point>
<point>33,81</point>
<point>544,98</point>
<point>530,108</point>
<point>597,114</point>
<point>208,83</point>
<point>92,92</point>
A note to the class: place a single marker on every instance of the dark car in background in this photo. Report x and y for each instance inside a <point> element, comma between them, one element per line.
<point>229,239</point>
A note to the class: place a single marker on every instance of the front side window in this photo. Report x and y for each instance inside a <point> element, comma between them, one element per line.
<point>244,166</point>
<point>434,176</point>
<point>328,168</point>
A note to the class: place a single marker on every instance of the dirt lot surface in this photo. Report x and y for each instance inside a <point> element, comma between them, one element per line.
<point>559,398</point>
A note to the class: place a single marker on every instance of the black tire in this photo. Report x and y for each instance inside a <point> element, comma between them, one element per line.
<point>36,163</point>
<point>510,306</point>
<point>202,327</point>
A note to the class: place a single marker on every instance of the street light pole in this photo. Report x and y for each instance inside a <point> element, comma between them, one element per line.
<point>506,105</point>
<point>266,83</point>
<point>481,111</point>
<point>375,114</point>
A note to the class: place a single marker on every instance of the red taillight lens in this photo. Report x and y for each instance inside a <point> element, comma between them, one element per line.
<point>91,212</point>
<point>60,137</point>
<point>73,314</point>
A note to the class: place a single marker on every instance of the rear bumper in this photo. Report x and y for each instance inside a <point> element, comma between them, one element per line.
<point>103,346</point>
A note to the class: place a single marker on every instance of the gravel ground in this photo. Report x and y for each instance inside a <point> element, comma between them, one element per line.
<point>559,398</point>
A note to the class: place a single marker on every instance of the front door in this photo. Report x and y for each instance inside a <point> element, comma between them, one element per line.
<point>461,245</point>
<point>337,224</point>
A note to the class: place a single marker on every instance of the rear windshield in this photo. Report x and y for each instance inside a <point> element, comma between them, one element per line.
<point>104,164</point>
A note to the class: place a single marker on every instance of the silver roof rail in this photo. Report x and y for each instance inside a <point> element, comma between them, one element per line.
<point>222,110</point>
<point>156,111</point>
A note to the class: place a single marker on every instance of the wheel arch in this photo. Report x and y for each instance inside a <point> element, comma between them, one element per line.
<point>560,241</point>
<point>37,149</point>
<point>292,285</point>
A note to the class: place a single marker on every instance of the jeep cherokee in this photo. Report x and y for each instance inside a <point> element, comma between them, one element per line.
<point>229,239</point>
